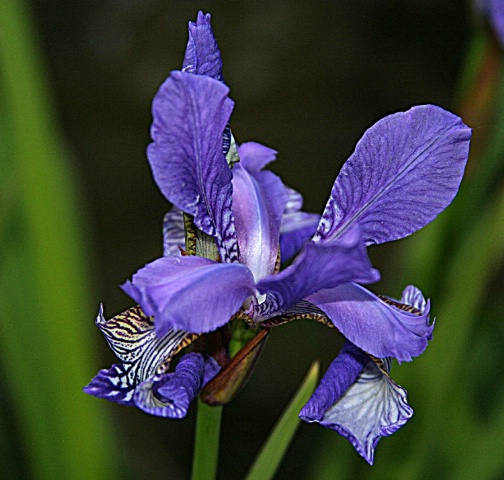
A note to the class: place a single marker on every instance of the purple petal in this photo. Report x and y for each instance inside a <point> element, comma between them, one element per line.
<point>405,170</point>
<point>297,227</point>
<point>202,55</point>
<point>115,385</point>
<point>254,156</point>
<point>342,372</point>
<point>190,114</point>
<point>132,338</point>
<point>378,328</point>
<point>372,407</point>
<point>170,394</point>
<point>173,233</point>
<point>258,203</point>
<point>319,266</point>
<point>193,294</point>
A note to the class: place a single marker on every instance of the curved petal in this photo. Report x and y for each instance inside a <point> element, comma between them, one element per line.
<point>258,203</point>
<point>190,114</point>
<point>194,294</point>
<point>296,229</point>
<point>405,170</point>
<point>132,338</point>
<point>170,394</point>
<point>381,329</point>
<point>319,266</point>
<point>342,372</point>
<point>254,156</point>
<point>114,385</point>
<point>173,233</point>
<point>372,407</point>
<point>202,55</point>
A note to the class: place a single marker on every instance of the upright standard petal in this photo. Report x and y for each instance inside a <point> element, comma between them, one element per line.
<point>319,266</point>
<point>190,114</point>
<point>373,406</point>
<point>194,294</point>
<point>258,203</point>
<point>381,327</point>
<point>405,170</point>
<point>202,55</point>
<point>254,156</point>
<point>173,232</point>
<point>170,394</point>
<point>297,227</point>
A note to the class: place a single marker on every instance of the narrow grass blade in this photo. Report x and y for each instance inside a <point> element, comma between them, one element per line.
<point>273,451</point>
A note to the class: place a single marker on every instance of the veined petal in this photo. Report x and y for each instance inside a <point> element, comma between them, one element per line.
<point>372,407</point>
<point>114,385</point>
<point>319,266</point>
<point>173,233</point>
<point>254,156</point>
<point>405,170</point>
<point>190,113</point>
<point>342,372</point>
<point>258,203</point>
<point>170,394</point>
<point>379,328</point>
<point>132,338</point>
<point>202,55</point>
<point>194,294</point>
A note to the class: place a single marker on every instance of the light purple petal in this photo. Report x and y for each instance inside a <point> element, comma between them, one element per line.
<point>378,328</point>
<point>405,170</point>
<point>173,233</point>
<point>202,55</point>
<point>258,203</point>
<point>170,394</point>
<point>319,266</point>
<point>193,294</point>
<point>254,156</point>
<point>190,114</point>
<point>372,407</point>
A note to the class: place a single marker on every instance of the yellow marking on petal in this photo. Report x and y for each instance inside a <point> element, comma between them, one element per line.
<point>401,306</point>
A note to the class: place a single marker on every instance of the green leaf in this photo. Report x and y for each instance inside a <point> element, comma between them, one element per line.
<point>271,455</point>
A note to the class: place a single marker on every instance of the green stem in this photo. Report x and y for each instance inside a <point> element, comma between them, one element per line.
<point>206,442</point>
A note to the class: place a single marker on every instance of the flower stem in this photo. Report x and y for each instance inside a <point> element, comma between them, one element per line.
<point>206,442</point>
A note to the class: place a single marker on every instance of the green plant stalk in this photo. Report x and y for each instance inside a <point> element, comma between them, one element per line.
<point>206,442</point>
<point>271,455</point>
<point>45,329</point>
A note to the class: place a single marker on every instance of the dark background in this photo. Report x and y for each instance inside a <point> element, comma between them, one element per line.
<point>308,78</point>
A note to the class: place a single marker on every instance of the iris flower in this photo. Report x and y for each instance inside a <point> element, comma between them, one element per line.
<point>404,171</point>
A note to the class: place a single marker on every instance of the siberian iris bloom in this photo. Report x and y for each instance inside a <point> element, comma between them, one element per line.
<point>404,171</point>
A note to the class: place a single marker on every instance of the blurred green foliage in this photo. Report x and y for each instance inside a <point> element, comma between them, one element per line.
<point>45,348</point>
